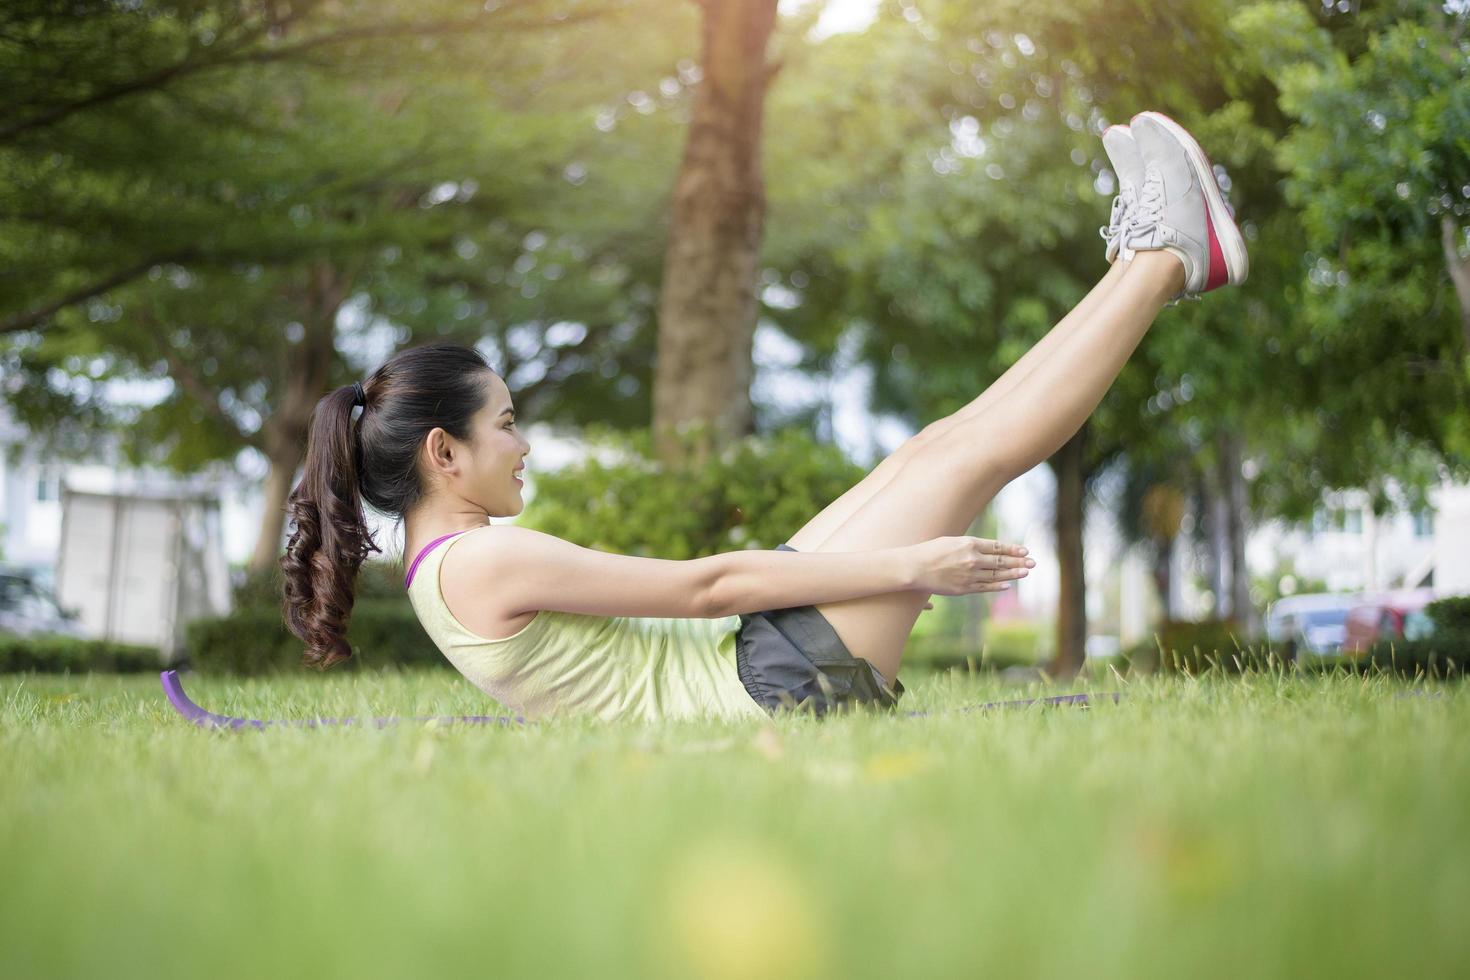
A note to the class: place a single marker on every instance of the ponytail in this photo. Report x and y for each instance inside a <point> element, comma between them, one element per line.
<point>331,539</point>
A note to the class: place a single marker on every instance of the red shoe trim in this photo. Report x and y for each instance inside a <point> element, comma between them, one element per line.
<point>1219,274</point>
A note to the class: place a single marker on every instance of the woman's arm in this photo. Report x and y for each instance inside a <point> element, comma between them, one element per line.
<point>518,570</point>
<point>752,581</point>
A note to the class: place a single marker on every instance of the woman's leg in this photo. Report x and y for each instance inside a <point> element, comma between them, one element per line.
<point>834,515</point>
<point>951,478</point>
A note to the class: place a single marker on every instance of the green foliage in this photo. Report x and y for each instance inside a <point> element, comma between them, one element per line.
<point>1005,643</point>
<point>1212,645</point>
<point>1444,653</point>
<point>1186,647</point>
<point>1436,656</point>
<point>755,494</point>
<point>67,654</point>
<point>192,192</point>
<point>254,640</point>
<point>261,588</point>
<point>1450,614</point>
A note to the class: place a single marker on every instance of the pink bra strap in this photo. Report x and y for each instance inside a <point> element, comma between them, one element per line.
<point>408,579</point>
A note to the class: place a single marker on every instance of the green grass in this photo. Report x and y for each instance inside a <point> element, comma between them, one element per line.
<point>1261,827</point>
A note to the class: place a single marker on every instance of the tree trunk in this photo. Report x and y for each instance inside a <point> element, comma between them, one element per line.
<point>308,372</point>
<point>1449,237</point>
<point>707,308</point>
<point>277,487</point>
<point>1071,637</point>
<point>1164,574</point>
<point>1237,525</point>
<point>1216,534</point>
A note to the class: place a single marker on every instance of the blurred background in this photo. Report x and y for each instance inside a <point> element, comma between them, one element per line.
<point>727,254</point>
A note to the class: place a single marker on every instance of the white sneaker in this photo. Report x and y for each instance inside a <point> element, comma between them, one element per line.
<point>1127,164</point>
<point>1182,210</point>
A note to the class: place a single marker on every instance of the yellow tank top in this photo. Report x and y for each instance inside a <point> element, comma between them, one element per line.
<point>611,667</point>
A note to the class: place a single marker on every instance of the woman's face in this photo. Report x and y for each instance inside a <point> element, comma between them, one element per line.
<point>501,451</point>
<point>482,473</point>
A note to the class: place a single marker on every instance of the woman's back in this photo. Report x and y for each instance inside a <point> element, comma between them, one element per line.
<point>608,666</point>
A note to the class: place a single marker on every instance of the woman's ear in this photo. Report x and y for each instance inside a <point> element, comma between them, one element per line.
<point>439,456</point>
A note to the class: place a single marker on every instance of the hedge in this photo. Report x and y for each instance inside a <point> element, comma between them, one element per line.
<point>55,654</point>
<point>254,640</point>
<point>1004,643</point>
<point>1193,647</point>
<point>1212,645</point>
<point>755,493</point>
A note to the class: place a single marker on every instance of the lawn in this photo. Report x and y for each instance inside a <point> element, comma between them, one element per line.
<point>1273,826</point>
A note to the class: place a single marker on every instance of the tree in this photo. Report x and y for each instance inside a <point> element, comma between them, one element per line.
<point>242,171</point>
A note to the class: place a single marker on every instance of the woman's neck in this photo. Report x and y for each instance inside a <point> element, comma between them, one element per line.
<point>425,527</point>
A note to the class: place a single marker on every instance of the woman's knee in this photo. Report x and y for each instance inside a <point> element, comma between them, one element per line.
<point>959,452</point>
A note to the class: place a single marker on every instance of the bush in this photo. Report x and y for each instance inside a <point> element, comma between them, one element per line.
<point>1005,643</point>
<point>376,579</point>
<point>254,640</point>
<point>1450,615</point>
<point>1191,648</point>
<point>1435,656</point>
<point>755,494</point>
<point>1444,653</point>
<point>61,654</point>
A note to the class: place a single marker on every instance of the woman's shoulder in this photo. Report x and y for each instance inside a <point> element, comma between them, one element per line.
<point>472,564</point>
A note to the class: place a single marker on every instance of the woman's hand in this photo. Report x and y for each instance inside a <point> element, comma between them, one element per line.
<point>963,565</point>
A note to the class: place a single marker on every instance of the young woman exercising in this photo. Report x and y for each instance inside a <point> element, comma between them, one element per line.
<point>547,627</point>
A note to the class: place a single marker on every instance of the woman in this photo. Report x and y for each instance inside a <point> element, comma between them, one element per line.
<point>547,627</point>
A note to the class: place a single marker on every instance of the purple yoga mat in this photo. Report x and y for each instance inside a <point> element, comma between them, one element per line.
<point>174,688</point>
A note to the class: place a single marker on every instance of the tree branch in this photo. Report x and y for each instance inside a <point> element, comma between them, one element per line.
<point>29,318</point>
<point>183,372</point>
<point>240,56</point>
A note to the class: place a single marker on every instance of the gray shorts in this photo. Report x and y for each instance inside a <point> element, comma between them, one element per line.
<point>792,658</point>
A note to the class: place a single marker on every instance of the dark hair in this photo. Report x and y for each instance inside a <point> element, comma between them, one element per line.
<point>415,390</point>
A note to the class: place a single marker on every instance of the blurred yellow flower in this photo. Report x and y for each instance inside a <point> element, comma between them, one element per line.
<point>735,909</point>
<point>886,766</point>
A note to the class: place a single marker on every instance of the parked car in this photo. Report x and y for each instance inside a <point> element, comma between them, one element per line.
<point>28,608</point>
<point>1387,616</point>
<point>1315,623</point>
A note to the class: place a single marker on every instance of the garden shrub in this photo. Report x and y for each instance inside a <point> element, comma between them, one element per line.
<point>1004,643</point>
<point>254,640</point>
<point>376,579</point>
<point>1434,656</point>
<point>756,493</point>
<point>1194,647</point>
<point>55,654</point>
<point>1444,653</point>
<point>1450,615</point>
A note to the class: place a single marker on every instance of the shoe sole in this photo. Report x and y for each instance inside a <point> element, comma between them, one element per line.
<point>1223,231</point>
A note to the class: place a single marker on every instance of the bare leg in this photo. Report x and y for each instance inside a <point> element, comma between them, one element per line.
<point>820,527</point>
<point>950,479</point>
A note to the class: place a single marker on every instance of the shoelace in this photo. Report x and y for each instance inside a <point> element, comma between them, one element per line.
<point>1148,212</point>
<point>1123,204</point>
<point>1114,227</point>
